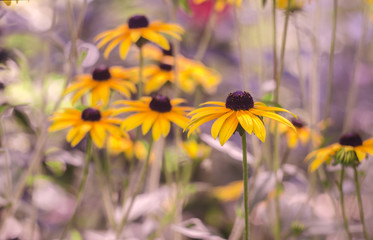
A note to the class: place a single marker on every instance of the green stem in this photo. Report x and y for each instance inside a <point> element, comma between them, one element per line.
<point>137,190</point>
<point>340,187</point>
<point>360,203</point>
<point>276,165</point>
<point>274,35</point>
<point>81,186</point>
<point>331,64</point>
<point>141,76</point>
<point>245,177</point>
<point>203,44</point>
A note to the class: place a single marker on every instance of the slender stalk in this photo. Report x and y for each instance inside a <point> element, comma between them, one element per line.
<point>203,44</point>
<point>340,187</point>
<point>354,88</point>
<point>245,178</point>
<point>274,38</point>
<point>137,190</point>
<point>141,75</point>
<point>81,187</point>
<point>331,63</point>
<point>360,203</point>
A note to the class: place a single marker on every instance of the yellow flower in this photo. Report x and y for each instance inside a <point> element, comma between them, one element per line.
<point>90,120</point>
<point>229,192</point>
<point>221,4</point>
<point>100,82</point>
<point>303,134</point>
<point>195,150</point>
<point>190,73</point>
<point>9,2</point>
<point>350,150</point>
<point>138,27</point>
<point>157,112</point>
<point>123,144</point>
<point>239,108</point>
<point>294,5</point>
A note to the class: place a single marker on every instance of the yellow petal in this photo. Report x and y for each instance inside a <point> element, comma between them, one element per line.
<point>360,154</point>
<point>178,119</point>
<point>245,121</point>
<point>148,122</point>
<point>165,125</point>
<point>228,129</point>
<point>111,46</point>
<point>157,130</point>
<point>156,38</point>
<point>258,127</point>
<point>98,135</point>
<point>193,125</point>
<point>274,116</point>
<point>124,46</point>
<point>216,127</point>
<point>134,121</point>
<point>56,126</point>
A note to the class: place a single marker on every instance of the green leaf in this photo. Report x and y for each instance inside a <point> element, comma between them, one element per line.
<point>184,4</point>
<point>75,235</point>
<point>23,119</point>
<point>56,167</point>
<point>4,107</point>
<point>171,160</point>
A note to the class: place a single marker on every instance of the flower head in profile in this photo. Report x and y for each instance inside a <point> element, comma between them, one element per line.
<point>295,5</point>
<point>239,109</point>
<point>302,135</point>
<point>350,150</point>
<point>137,30</point>
<point>195,150</point>
<point>102,80</point>
<point>91,120</point>
<point>221,4</point>
<point>190,73</point>
<point>154,112</point>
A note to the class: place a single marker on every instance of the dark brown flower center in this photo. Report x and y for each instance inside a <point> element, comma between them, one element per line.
<point>297,123</point>
<point>2,86</point>
<point>351,139</point>
<point>101,73</point>
<point>91,114</point>
<point>239,100</point>
<point>138,21</point>
<point>165,67</point>
<point>168,52</point>
<point>160,103</point>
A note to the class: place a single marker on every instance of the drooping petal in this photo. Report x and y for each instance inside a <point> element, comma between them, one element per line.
<point>165,125</point>
<point>258,127</point>
<point>193,125</point>
<point>217,125</point>
<point>124,47</point>
<point>245,121</point>
<point>156,38</point>
<point>134,121</point>
<point>228,128</point>
<point>148,122</point>
<point>98,134</point>
<point>273,116</point>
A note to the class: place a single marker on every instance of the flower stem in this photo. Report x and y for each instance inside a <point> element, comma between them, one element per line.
<point>340,187</point>
<point>141,76</point>
<point>245,177</point>
<point>137,190</point>
<point>360,203</point>
<point>331,64</point>
<point>203,44</point>
<point>81,186</point>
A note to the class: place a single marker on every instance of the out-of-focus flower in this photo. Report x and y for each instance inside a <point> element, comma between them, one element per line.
<point>303,134</point>
<point>123,144</point>
<point>221,4</point>
<point>350,150</point>
<point>239,109</point>
<point>157,112</point>
<point>294,5</point>
<point>195,150</point>
<point>190,73</point>
<point>100,82</point>
<point>91,120</point>
<point>229,192</point>
<point>9,2</point>
<point>138,27</point>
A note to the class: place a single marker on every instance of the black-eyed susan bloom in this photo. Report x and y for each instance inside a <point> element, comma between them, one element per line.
<point>350,150</point>
<point>303,134</point>
<point>221,4</point>
<point>94,121</point>
<point>138,27</point>
<point>102,80</point>
<point>9,2</point>
<point>239,109</point>
<point>154,112</point>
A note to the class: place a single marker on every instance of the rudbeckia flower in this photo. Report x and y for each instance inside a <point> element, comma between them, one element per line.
<point>229,192</point>
<point>94,121</point>
<point>156,112</point>
<point>100,82</point>
<point>190,73</point>
<point>350,150</point>
<point>239,108</point>
<point>9,2</point>
<point>137,27</point>
<point>123,144</point>
<point>294,5</point>
<point>195,150</point>
<point>303,134</point>
<point>221,4</point>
